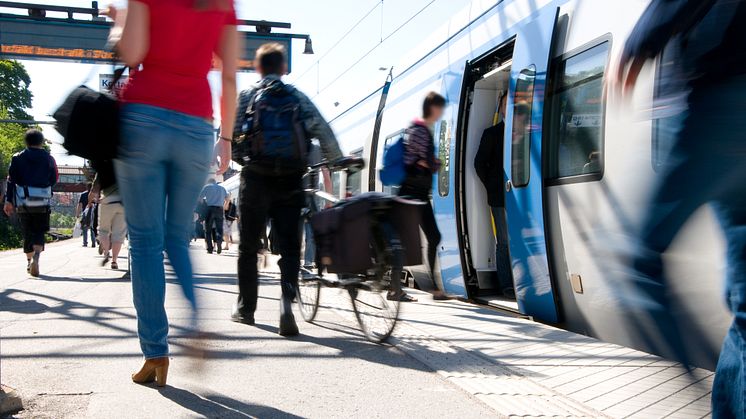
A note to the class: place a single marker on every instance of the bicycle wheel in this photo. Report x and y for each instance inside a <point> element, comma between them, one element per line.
<point>375,313</point>
<point>309,291</point>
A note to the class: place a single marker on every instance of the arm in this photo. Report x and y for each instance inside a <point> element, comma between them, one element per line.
<point>417,146</point>
<point>95,193</point>
<point>228,53</point>
<point>54,175</point>
<point>10,193</point>
<point>662,20</point>
<point>317,127</point>
<point>131,32</point>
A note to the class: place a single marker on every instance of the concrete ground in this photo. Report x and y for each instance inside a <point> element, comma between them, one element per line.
<point>69,346</point>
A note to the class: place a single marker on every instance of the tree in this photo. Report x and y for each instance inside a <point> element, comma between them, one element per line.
<point>15,96</point>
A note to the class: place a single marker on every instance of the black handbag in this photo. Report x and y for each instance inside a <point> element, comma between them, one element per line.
<point>89,122</point>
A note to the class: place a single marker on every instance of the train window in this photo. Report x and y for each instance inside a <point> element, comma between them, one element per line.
<point>522,104</point>
<point>393,190</point>
<point>577,116</point>
<point>444,154</point>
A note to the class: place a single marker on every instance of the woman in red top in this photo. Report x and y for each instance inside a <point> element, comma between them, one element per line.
<point>168,145</point>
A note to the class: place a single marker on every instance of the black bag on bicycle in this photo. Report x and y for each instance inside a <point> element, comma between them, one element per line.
<point>271,138</point>
<point>89,122</point>
<point>344,237</point>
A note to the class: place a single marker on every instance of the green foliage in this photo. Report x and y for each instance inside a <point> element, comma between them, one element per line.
<point>60,220</point>
<point>15,96</point>
<point>10,235</point>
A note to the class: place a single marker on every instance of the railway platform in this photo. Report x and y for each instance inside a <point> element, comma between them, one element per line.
<point>69,345</point>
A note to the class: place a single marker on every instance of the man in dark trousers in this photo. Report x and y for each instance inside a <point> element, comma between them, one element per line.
<point>272,178</point>
<point>707,164</point>
<point>488,164</point>
<point>31,175</point>
<point>214,196</point>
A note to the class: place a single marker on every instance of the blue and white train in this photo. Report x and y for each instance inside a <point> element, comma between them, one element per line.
<point>577,173</point>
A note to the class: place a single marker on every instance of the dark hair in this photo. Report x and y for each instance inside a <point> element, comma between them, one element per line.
<point>34,138</point>
<point>432,100</point>
<point>271,58</point>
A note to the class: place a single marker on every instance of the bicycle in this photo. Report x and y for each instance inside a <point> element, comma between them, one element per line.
<point>369,291</point>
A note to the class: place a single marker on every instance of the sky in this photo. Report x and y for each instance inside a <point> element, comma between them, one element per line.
<point>328,76</point>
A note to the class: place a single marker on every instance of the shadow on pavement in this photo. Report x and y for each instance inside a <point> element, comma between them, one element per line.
<point>215,406</point>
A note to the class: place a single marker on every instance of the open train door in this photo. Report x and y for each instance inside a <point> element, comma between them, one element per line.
<point>523,168</point>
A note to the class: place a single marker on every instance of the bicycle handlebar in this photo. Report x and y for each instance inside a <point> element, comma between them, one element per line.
<point>350,164</point>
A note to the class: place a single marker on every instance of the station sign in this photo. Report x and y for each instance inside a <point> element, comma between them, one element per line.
<point>83,41</point>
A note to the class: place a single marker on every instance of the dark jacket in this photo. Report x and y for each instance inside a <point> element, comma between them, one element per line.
<point>489,164</point>
<point>419,146</point>
<point>31,167</point>
<point>709,35</point>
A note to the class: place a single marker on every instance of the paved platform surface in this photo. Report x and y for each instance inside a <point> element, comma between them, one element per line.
<point>69,346</point>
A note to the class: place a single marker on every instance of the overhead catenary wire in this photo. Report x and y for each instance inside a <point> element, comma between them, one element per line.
<point>364,56</point>
<point>339,41</point>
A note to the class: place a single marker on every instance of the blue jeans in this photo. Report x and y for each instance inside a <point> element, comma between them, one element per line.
<point>86,232</point>
<point>707,165</point>
<point>164,157</point>
<point>309,256</point>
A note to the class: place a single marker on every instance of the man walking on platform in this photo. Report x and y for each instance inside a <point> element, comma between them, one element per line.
<point>707,164</point>
<point>31,175</point>
<point>214,196</point>
<point>274,126</point>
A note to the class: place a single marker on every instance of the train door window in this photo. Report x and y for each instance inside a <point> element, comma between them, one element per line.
<point>522,105</point>
<point>444,154</point>
<point>393,190</point>
<point>354,181</point>
<point>577,118</point>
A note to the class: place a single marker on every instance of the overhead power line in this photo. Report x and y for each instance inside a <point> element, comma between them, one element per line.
<point>400,27</point>
<point>339,41</point>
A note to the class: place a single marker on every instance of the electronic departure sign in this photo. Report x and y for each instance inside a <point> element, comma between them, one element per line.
<point>85,41</point>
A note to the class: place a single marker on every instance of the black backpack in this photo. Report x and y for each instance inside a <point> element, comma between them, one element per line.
<point>89,122</point>
<point>272,139</point>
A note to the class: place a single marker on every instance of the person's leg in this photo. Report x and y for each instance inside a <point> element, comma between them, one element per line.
<point>209,225</point>
<point>502,253</point>
<point>286,221</point>
<point>430,228</point>
<point>217,216</point>
<point>253,220</point>
<point>85,236</point>
<point>309,254</point>
<point>28,243</point>
<point>118,232</point>
<point>105,213</point>
<point>189,161</point>
<point>141,175</point>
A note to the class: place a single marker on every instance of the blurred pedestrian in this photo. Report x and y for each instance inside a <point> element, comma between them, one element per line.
<point>231,216</point>
<point>272,179</point>
<point>421,164</point>
<point>31,176</point>
<point>707,164</point>
<point>84,210</point>
<point>111,223</point>
<point>214,196</point>
<point>167,145</point>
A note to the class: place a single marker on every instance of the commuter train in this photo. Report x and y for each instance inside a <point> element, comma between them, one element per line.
<point>578,169</point>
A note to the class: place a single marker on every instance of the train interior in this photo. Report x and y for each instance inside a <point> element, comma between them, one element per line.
<point>490,78</point>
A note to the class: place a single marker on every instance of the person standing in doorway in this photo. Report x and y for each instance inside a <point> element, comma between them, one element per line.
<point>214,196</point>
<point>272,181</point>
<point>168,144</point>
<point>421,164</point>
<point>231,216</point>
<point>488,164</point>
<point>707,165</point>
<point>31,176</point>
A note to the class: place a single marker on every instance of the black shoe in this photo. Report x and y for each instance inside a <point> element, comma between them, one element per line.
<point>220,249</point>
<point>509,293</point>
<point>288,327</point>
<point>242,318</point>
<point>403,297</point>
<point>209,252</point>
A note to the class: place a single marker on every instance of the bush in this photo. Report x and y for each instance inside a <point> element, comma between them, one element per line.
<point>60,220</point>
<point>10,234</point>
